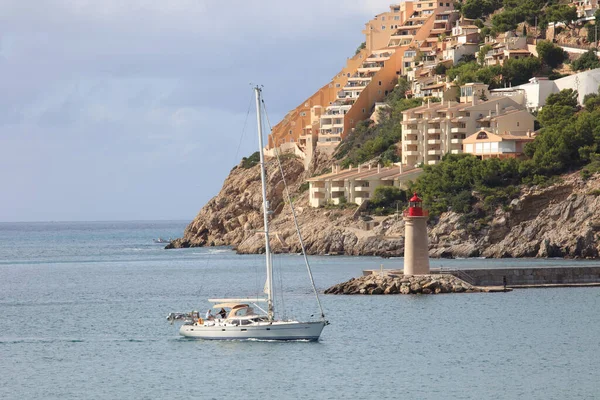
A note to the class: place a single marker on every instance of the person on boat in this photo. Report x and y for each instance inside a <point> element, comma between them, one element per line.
<point>222,313</point>
<point>209,315</point>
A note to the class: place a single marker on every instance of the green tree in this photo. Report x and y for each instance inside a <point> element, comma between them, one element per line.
<point>587,60</point>
<point>561,13</point>
<point>550,54</point>
<point>482,52</point>
<point>360,47</point>
<point>592,32</point>
<point>520,71</point>
<point>560,107</point>
<point>387,196</point>
<point>440,69</point>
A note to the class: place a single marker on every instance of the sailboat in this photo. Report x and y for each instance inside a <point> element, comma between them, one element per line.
<point>245,318</point>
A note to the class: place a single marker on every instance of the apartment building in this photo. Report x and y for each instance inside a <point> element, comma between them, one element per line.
<point>423,33</point>
<point>585,8</point>
<point>533,94</point>
<point>357,185</point>
<point>371,83</point>
<point>434,129</point>
<point>464,40</point>
<point>505,47</point>
<point>298,131</point>
<point>485,144</point>
<point>378,30</point>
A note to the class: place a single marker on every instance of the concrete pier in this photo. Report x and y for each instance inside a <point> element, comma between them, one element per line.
<point>518,277</point>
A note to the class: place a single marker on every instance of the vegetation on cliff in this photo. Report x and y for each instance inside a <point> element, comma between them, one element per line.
<point>569,140</point>
<point>508,14</point>
<point>369,140</point>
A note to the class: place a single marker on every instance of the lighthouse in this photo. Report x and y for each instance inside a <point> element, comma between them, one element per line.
<point>416,246</point>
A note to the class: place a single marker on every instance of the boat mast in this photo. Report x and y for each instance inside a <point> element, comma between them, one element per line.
<point>266,211</point>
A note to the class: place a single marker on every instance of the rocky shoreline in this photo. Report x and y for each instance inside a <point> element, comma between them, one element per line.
<point>560,220</point>
<point>376,284</point>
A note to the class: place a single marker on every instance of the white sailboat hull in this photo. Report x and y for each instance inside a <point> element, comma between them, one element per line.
<point>278,330</point>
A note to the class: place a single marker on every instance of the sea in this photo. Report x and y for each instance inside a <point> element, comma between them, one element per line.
<point>83,309</point>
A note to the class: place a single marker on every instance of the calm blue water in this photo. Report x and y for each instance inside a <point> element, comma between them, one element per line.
<point>83,306</point>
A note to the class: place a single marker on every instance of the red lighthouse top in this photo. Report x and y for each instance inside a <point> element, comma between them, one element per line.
<point>414,207</point>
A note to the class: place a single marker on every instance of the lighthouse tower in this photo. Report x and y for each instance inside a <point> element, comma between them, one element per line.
<point>416,246</point>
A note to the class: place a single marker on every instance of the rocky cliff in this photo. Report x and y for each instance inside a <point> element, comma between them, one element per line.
<point>562,220</point>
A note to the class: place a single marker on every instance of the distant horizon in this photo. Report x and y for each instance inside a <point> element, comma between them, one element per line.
<point>122,110</point>
<point>93,221</point>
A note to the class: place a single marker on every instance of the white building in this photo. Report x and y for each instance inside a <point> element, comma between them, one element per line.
<point>356,185</point>
<point>534,94</point>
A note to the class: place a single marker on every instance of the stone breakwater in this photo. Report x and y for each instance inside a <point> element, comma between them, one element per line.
<point>417,284</point>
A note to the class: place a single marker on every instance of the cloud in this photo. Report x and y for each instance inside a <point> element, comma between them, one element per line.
<point>102,97</point>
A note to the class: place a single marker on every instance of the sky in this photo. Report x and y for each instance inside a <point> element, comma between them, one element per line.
<point>138,109</point>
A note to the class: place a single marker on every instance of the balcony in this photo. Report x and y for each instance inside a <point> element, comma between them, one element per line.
<point>410,153</point>
<point>337,188</point>
<point>432,162</point>
<point>456,151</point>
<point>361,188</point>
<point>434,130</point>
<point>355,85</point>
<point>408,131</point>
<point>434,141</point>
<point>410,141</point>
<point>456,141</point>
<point>319,190</point>
<point>458,130</point>
<point>436,152</point>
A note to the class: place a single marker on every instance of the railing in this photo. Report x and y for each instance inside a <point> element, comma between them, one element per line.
<point>424,213</point>
<point>459,274</point>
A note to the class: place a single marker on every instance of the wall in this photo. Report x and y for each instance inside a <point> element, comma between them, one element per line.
<point>374,92</point>
<point>295,122</point>
<point>518,121</point>
<point>531,276</point>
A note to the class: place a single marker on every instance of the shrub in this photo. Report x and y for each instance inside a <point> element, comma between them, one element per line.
<point>249,162</point>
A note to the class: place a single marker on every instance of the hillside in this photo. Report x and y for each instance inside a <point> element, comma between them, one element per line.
<point>561,220</point>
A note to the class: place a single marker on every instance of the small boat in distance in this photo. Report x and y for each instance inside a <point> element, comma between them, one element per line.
<point>246,319</point>
<point>161,240</point>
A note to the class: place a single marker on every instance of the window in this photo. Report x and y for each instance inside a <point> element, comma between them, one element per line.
<point>383,27</point>
<point>379,83</point>
<point>517,123</point>
<point>337,85</point>
<point>447,4</point>
<point>303,114</point>
<point>396,18</point>
<point>290,131</point>
<point>430,4</point>
<point>383,18</point>
<point>441,4</point>
<point>364,110</point>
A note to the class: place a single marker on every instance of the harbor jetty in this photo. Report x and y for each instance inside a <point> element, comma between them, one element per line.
<point>384,282</point>
<point>443,280</point>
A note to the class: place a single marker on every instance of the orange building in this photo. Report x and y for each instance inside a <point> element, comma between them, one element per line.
<point>323,120</point>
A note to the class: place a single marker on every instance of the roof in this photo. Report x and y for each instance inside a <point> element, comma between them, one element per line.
<point>334,175</point>
<point>483,136</point>
<point>415,198</point>
<point>436,86</point>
